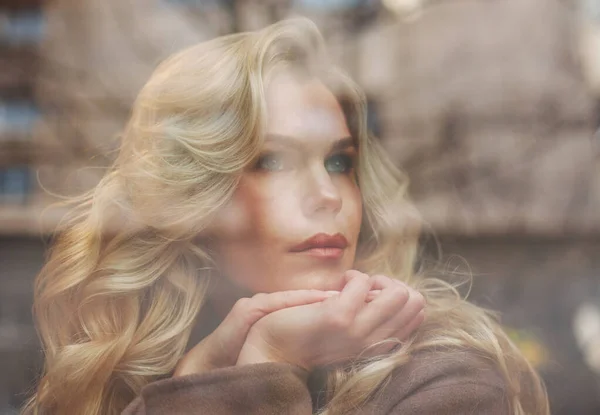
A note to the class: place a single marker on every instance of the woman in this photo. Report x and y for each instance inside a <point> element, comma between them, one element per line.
<point>251,251</point>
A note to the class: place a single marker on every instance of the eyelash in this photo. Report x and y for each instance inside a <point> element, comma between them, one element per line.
<point>263,158</point>
<point>348,159</point>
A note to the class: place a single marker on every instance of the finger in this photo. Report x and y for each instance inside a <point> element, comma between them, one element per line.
<point>248,311</point>
<point>386,341</point>
<point>232,332</point>
<point>371,295</point>
<point>411,327</point>
<point>402,321</point>
<point>352,274</point>
<point>353,295</point>
<point>381,282</point>
<point>388,304</point>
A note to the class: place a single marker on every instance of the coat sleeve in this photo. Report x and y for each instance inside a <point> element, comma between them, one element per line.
<point>457,399</point>
<point>436,383</point>
<point>266,389</point>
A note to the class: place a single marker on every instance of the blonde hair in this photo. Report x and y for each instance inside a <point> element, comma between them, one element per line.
<point>124,282</point>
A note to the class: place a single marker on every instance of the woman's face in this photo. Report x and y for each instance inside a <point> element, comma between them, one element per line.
<point>294,220</point>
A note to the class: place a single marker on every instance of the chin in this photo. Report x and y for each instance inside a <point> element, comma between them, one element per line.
<point>320,280</point>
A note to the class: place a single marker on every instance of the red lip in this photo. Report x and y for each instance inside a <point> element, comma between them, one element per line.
<point>322,241</point>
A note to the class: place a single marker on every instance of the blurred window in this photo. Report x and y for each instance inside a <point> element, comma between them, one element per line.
<point>403,7</point>
<point>200,4</point>
<point>591,9</point>
<point>18,117</point>
<point>21,28</point>
<point>14,184</point>
<point>373,119</point>
<point>330,5</point>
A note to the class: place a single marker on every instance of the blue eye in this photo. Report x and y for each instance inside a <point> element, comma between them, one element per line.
<point>339,163</point>
<point>270,162</point>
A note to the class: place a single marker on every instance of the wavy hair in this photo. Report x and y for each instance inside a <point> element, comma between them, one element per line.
<point>124,281</point>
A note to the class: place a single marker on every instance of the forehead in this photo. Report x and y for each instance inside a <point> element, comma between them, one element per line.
<point>303,108</point>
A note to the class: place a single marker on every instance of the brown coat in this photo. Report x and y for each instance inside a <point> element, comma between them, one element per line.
<point>460,383</point>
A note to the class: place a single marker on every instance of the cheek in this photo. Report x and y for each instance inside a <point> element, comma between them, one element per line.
<point>357,212</point>
<point>277,211</point>
<point>234,221</point>
<point>353,207</point>
<point>252,234</point>
<point>260,210</point>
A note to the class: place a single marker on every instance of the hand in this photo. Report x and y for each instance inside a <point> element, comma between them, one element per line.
<point>338,328</point>
<point>222,346</point>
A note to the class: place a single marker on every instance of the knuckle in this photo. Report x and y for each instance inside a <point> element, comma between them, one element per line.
<point>259,298</point>
<point>363,287</point>
<point>396,298</point>
<point>242,306</point>
<point>400,294</point>
<point>419,299</point>
<point>242,310</point>
<point>259,303</point>
<point>249,310</point>
<point>356,337</point>
<point>416,300</point>
<point>287,299</point>
<point>340,321</point>
<point>378,277</point>
<point>352,274</point>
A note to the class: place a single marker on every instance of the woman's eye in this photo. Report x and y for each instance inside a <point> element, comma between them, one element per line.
<point>270,162</point>
<point>340,163</point>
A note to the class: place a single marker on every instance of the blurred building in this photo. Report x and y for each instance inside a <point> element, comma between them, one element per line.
<point>21,32</point>
<point>490,107</point>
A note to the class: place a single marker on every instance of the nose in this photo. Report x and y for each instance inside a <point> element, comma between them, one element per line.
<point>322,194</point>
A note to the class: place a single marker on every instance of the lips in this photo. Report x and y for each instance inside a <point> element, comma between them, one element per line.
<point>323,245</point>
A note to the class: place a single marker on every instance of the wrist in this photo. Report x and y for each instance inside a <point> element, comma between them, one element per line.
<point>190,365</point>
<point>253,354</point>
<point>250,355</point>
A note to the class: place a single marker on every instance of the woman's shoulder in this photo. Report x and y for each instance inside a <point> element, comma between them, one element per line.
<point>447,367</point>
<point>436,381</point>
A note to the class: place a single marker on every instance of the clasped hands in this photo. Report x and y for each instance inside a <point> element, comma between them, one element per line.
<point>311,328</point>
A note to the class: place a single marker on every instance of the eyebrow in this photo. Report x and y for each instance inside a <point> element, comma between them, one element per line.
<point>341,144</point>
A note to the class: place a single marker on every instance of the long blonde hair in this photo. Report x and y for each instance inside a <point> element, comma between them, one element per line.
<point>124,281</point>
